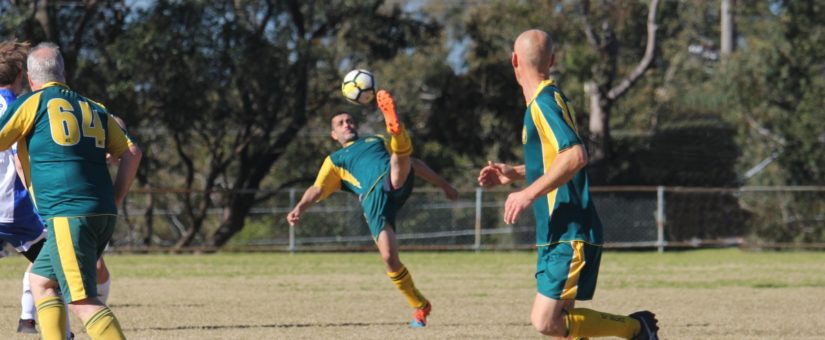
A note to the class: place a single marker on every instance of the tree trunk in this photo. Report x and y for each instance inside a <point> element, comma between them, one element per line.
<point>728,29</point>
<point>149,221</point>
<point>599,134</point>
<point>234,219</point>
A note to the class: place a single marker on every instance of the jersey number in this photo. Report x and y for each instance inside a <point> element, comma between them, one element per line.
<point>64,126</point>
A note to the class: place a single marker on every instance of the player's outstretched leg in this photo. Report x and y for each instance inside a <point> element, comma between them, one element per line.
<point>387,105</point>
<point>400,143</point>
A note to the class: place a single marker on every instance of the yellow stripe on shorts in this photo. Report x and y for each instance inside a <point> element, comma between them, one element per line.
<point>571,286</point>
<point>68,258</point>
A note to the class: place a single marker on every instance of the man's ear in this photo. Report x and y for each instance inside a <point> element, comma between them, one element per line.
<point>514,60</point>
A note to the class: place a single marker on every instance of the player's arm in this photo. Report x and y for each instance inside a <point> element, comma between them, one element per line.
<point>561,171</point>
<point>126,171</point>
<point>122,126</point>
<point>18,120</point>
<point>327,182</point>
<point>120,146</point>
<point>311,195</point>
<point>500,173</point>
<point>424,171</point>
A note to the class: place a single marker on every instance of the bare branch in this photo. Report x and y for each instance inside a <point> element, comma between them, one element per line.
<point>592,38</point>
<point>764,131</point>
<point>77,38</point>
<point>41,14</point>
<point>647,59</point>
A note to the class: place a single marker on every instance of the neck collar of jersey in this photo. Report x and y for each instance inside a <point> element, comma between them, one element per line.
<point>349,143</point>
<point>542,85</point>
<point>54,83</point>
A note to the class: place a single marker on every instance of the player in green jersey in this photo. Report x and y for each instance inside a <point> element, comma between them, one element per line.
<point>63,139</point>
<point>568,229</point>
<point>380,172</point>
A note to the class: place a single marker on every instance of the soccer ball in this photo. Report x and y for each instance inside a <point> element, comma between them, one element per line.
<point>359,87</point>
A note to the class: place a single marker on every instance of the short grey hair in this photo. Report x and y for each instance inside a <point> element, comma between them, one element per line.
<point>45,63</point>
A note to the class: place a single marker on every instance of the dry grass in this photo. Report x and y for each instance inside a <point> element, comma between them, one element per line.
<point>719,294</point>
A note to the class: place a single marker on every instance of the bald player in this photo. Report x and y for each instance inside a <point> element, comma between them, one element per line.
<point>568,229</point>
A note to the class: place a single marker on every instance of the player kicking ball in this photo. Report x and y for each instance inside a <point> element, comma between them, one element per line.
<point>381,172</point>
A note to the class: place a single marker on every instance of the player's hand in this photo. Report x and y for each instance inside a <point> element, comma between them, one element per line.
<point>450,192</point>
<point>495,174</point>
<point>515,204</point>
<point>293,217</point>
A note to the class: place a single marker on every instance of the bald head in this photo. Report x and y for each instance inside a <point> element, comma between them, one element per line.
<point>535,51</point>
<point>45,64</point>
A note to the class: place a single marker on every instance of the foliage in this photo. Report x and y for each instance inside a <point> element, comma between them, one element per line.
<point>228,97</point>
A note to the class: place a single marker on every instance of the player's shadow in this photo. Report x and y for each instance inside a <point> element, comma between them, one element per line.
<point>299,325</point>
<point>280,325</point>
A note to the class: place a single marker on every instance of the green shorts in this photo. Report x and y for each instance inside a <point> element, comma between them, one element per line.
<point>72,248</point>
<point>382,204</point>
<point>568,270</point>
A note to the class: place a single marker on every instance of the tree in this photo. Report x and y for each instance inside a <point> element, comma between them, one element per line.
<point>602,87</point>
<point>232,83</point>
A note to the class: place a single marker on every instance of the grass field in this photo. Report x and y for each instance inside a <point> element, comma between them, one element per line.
<point>707,294</point>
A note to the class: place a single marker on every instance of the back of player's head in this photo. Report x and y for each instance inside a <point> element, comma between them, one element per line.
<point>534,49</point>
<point>45,64</point>
<point>12,57</point>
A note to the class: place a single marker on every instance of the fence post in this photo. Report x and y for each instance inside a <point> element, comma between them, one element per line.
<point>660,218</point>
<point>292,202</point>
<point>477,245</point>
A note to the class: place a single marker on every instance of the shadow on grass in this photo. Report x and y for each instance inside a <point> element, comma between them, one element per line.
<point>300,325</point>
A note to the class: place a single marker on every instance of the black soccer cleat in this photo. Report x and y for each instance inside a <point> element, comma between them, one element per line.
<point>27,326</point>
<point>649,329</point>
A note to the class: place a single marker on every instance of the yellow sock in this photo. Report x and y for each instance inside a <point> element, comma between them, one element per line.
<point>400,143</point>
<point>583,322</point>
<point>103,325</point>
<point>403,280</point>
<point>51,315</point>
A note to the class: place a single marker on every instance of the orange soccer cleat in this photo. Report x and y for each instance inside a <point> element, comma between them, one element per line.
<point>420,316</point>
<point>387,106</point>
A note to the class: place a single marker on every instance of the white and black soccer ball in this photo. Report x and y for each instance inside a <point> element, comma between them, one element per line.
<point>359,87</point>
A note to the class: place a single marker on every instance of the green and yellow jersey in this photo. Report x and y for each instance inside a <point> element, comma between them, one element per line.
<point>358,167</point>
<point>63,139</point>
<point>566,213</point>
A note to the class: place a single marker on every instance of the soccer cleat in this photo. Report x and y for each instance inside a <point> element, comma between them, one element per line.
<point>420,316</point>
<point>387,106</point>
<point>27,326</point>
<point>649,328</point>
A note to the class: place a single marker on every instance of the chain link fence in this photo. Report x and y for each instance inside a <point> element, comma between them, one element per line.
<point>633,217</point>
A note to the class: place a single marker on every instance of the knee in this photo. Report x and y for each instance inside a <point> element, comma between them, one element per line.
<point>38,282</point>
<point>548,326</point>
<point>391,261</point>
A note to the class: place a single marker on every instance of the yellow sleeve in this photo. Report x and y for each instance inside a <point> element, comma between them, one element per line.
<point>18,123</point>
<point>117,142</point>
<point>328,179</point>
